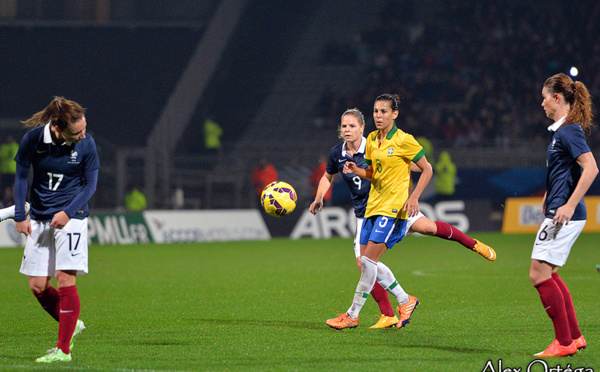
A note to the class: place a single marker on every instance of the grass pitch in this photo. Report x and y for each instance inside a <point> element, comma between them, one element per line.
<point>263,305</point>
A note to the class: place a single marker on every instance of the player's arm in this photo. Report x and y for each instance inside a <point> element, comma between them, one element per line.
<point>590,170</point>
<point>22,224</point>
<point>61,218</point>
<point>351,167</point>
<point>324,185</point>
<point>412,204</point>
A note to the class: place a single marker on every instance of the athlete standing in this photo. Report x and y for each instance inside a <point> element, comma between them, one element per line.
<point>65,173</point>
<point>571,171</point>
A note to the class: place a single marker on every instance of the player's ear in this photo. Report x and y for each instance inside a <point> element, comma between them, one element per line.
<point>56,128</point>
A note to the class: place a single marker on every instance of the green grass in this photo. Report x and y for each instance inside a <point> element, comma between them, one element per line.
<point>263,306</point>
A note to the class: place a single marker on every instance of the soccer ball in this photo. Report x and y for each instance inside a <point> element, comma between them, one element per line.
<point>278,199</point>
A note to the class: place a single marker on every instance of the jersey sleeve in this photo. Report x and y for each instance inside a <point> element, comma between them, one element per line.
<point>332,167</point>
<point>92,162</point>
<point>574,141</point>
<point>412,150</point>
<point>23,157</point>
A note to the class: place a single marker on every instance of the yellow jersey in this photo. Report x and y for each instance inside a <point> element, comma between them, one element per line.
<point>391,172</point>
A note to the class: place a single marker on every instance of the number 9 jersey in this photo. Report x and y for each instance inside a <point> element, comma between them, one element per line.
<point>359,187</point>
<point>59,173</point>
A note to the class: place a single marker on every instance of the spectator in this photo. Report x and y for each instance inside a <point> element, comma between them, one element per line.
<point>8,168</point>
<point>445,176</point>
<point>264,173</point>
<point>212,135</point>
<point>135,201</point>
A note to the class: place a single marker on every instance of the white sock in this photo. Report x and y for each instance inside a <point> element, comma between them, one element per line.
<point>6,213</point>
<point>386,278</point>
<point>365,284</point>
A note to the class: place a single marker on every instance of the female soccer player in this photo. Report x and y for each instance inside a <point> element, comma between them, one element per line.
<point>389,153</point>
<point>65,173</point>
<point>353,149</point>
<point>571,170</point>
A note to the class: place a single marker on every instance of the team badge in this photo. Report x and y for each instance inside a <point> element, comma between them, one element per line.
<point>74,155</point>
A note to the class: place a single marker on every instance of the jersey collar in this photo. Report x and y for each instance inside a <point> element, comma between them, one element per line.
<point>389,135</point>
<point>48,136</point>
<point>361,148</point>
<point>554,127</point>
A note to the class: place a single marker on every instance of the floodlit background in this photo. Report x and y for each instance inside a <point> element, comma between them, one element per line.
<point>276,76</point>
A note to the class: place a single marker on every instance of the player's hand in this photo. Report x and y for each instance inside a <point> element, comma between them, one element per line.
<point>24,227</point>
<point>563,214</point>
<point>411,206</point>
<point>317,204</point>
<point>59,220</point>
<point>349,167</point>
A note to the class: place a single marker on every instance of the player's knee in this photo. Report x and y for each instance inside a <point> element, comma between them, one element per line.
<point>425,227</point>
<point>536,277</point>
<point>65,278</point>
<point>37,287</point>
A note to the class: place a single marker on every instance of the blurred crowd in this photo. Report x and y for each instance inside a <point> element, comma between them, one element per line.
<point>471,73</point>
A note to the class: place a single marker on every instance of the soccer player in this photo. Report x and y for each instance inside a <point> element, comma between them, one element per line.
<point>65,174</point>
<point>571,171</point>
<point>353,149</point>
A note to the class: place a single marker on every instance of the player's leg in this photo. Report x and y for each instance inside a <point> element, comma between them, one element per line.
<point>379,294</point>
<point>406,303</point>
<point>391,231</point>
<point>46,294</point>
<point>38,265</point>
<point>552,299</point>
<point>367,280</point>
<point>576,335</point>
<point>71,260</point>
<point>425,226</point>
<point>550,251</point>
<point>368,276</point>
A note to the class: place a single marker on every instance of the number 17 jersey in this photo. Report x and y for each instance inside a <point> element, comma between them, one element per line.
<point>359,187</point>
<point>58,171</point>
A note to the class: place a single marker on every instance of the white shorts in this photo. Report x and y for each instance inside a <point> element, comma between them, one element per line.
<point>359,223</point>
<point>411,220</point>
<point>554,241</point>
<point>48,249</point>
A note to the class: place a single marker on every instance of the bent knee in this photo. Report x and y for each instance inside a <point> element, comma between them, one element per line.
<point>38,287</point>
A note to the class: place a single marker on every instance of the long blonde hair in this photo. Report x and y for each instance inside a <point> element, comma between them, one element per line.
<point>60,112</point>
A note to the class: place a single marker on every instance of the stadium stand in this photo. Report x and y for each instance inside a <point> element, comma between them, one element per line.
<point>469,72</point>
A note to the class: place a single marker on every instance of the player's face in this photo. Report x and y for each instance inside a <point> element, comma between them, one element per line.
<point>383,115</point>
<point>351,129</point>
<point>549,103</point>
<point>75,132</point>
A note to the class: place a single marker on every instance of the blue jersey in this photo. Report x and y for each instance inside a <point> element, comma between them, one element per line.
<point>58,172</point>
<point>359,187</point>
<point>568,142</point>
